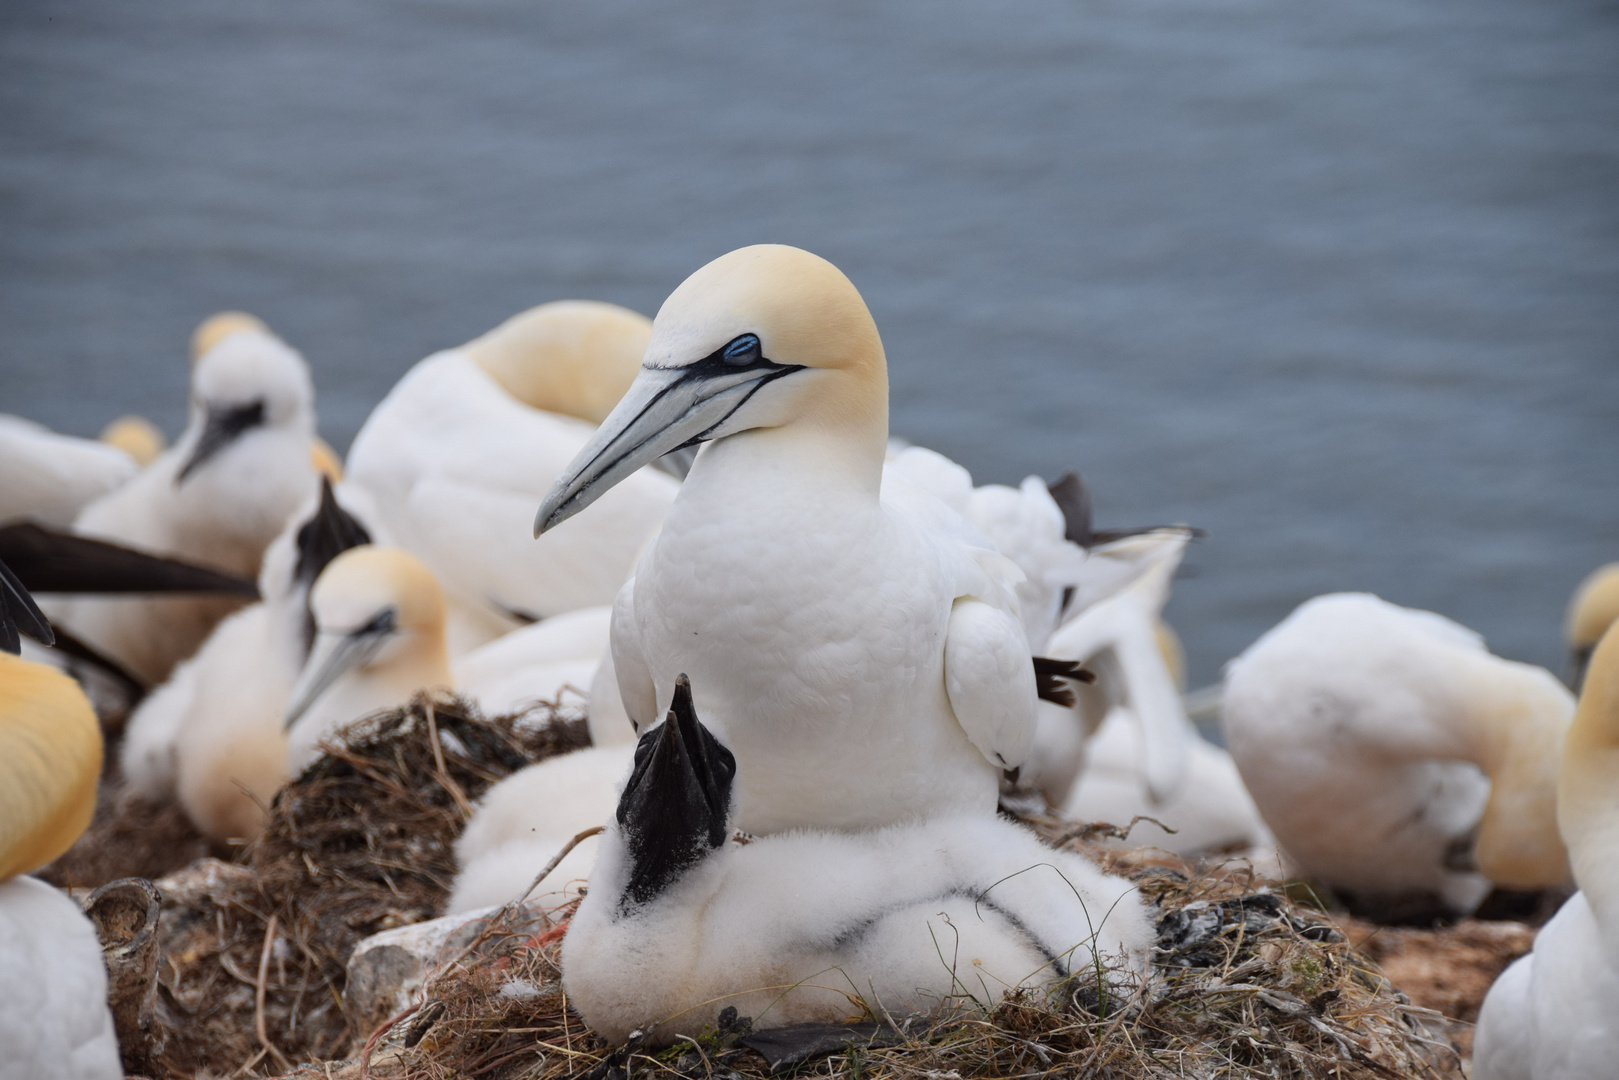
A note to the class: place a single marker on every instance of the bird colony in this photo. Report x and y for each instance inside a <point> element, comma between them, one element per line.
<point>831,687</point>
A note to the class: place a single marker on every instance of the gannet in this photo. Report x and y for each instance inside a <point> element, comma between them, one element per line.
<point>136,436</point>
<point>218,496</point>
<point>945,915</point>
<point>1395,759</point>
<point>463,445</point>
<point>1117,638</point>
<point>212,736</point>
<point>51,477</point>
<point>1554,1014</point>
<point>54,1019</point>
<point>863,657</point>
<point>380,637</point>
<point>1593,608</point>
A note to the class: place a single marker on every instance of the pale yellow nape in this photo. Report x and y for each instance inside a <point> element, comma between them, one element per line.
<point>216,328</point>
<point>1593,608</point>
<point>1588,788</point>
<point>368,577</point>
<point>325,460</point>
<point>573,357</point>
<point>1173,652</point>
<point>50,764</point>
<point>136,436</point>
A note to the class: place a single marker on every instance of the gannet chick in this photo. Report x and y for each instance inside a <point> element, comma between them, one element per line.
<point>1395,759</point>
<point>861,655</point>
<point>136,436</point>
<point>522,822</point>
<point>461,448</point>
<point>941,916</point>
<point>218,497</point>
<point>379,639</point>
<point>1554,1014</point>
<point>54,1019</point>
<point>51,477</point>
<point>213,735</point>
<point>1117,638</point>
<point>1593,608</point>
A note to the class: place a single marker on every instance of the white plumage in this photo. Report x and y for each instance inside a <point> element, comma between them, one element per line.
<point>1369,734</point>
<point>817,619</point>
<point>51,477</point>
<point>464,445</point>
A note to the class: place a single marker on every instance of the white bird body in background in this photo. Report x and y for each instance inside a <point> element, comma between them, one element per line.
<point>535,663</point>
<point>944,915</point>
<point>464,445</point>
<point>1554,1014</point>
<point>218,497</point>
<point>51,477</point>
<point>862,655</point>
<point>1376,739</point>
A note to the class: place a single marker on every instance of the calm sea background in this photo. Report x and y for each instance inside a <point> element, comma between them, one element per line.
<point>1337,282</point>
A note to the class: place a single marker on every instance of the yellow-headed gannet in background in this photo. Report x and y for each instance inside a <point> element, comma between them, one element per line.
<point>218,497</point>
<point>862,656</point>
<point>1396,760</point>
<point>380,638</point>
<point>948,914</point>
<point>1593,608</point>
<point>213,735</point>
<point>459,451</point>
<point>51,477</point>
<point>136,436</point>
<point>54,1020</point>
<point>1554,1014</point>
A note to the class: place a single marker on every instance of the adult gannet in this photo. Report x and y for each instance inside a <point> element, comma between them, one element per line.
<point>136,436</point>
<point>1593,608</point>
<point>460,449</point>
<point>212,736</point>
<point>218,496</point>
<point>1391,754</point>
<point>862,656</point>
<point>380,637</point>
<point>1554,1014</point>
<point>54,1019</point>
<point>927,917</point>
<point>51,477</point>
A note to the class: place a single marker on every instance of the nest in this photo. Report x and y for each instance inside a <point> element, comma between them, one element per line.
<point>1243,983</point>
<point>253,952</point>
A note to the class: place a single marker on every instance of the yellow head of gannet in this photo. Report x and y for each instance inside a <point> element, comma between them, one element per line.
<point>136,436</point>
<point>50,761</point>
<point>1588,789</point>
<point>574,357</point>
<point>764,337</point>
<point>216,328</point>
<point>1593,608</point>
<point>379,638</point>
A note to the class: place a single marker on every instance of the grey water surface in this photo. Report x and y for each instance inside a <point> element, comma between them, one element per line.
<point>1337,282</point>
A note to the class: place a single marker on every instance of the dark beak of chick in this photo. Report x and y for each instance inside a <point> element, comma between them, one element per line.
<point>223,426</point>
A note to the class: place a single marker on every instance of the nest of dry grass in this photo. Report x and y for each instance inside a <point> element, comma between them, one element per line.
<point>1243,983</point>
<point>251,975</point>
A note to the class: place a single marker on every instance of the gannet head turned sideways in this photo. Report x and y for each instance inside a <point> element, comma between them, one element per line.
<point>250,381</point>
<point>764,337</point>
<point>374,608</point>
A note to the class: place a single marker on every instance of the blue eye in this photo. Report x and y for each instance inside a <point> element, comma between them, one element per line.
<point>743,350</point>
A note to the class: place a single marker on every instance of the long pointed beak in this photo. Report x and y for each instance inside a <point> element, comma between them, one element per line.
<point>664,409</point>
<point>222,426</point>
<point>333,656</point>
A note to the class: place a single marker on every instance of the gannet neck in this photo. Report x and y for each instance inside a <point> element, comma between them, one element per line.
<point>1514,721</point>
<point>574,357</point>
<point>50,763</point>
<point>1588,790</point>
<point>798,455</point>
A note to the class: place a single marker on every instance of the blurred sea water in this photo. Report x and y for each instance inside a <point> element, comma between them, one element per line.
<point>1337,282</point>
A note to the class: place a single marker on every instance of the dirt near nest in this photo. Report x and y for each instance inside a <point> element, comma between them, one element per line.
<point>128,837</point>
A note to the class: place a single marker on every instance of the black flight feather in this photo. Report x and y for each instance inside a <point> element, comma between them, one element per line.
<point>46,560</point>
<point>1050,679</point>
